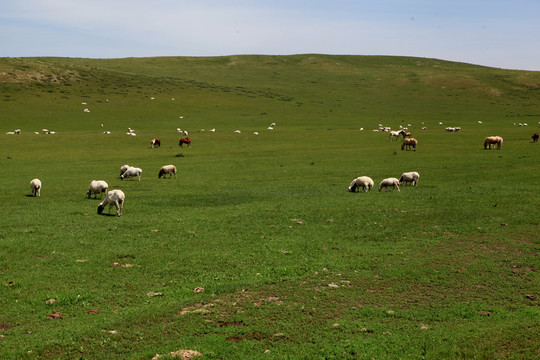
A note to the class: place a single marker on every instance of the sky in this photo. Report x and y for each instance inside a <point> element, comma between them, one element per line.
<point>494,33</point>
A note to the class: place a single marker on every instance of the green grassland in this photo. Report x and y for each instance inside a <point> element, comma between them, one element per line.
<point>292,265</point>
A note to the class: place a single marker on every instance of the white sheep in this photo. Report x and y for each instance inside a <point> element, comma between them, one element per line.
<point>389,182</point>
<point>35,185</point>
<point>123,169</point>
<point>167,169</point>
<point>131,171</point>
<point>410,177</point>
<point>97,186</point>
<point>363,181</point>
<point>114,197</point>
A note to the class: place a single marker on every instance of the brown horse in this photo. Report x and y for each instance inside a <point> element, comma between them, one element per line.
<point>535,137</point>
<point>408,142</point>
<point>493,140</point>
<point>186,141</point>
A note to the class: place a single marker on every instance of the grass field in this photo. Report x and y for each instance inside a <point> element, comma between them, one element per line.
<point>292,265</point>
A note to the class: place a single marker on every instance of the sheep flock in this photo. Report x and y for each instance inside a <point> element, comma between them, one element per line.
<point>365,183</point>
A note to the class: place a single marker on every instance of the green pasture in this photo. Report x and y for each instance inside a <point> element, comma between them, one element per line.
<point>292,265</point>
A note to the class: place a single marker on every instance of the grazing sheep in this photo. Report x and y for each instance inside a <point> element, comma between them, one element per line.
<point>156,143</point>
<point>167,169</point>
<point>17,131</point>
<point>131,171</point>
<point>408,143</point>
<point>535,137</point>
<point>35,185</point>
<point>123,169</point>
<point>114,197</point>
<point>389,182</point>
<point>410,177</point>
<point>97,186</point>
<point>364,182</point>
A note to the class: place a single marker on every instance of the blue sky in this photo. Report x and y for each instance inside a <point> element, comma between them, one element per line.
<point>497,33</point>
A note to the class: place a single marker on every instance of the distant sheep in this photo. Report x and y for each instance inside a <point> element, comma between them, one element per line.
<point>167,169</point>
<point>535,137</point>
<point>410,177</point>
<point>123,169</point>
<point>389,182</point>
<point>97,186</point>
<point>35,185</point>
<point>131,171</point>
<point>114,197</point>
<point>364,182</point>
<point>156,143</point>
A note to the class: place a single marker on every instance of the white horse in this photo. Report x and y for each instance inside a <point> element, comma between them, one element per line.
<point>396,134</point>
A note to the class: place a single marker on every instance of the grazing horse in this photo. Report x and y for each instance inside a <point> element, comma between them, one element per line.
<point>408,143</point>
<point>186,141</point>
<point>493,140</point>
<point>156,142</point>
<point>395,134</point>
<point>535,137</point>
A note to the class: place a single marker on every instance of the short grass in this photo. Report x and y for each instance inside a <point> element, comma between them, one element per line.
<point>292,265</point>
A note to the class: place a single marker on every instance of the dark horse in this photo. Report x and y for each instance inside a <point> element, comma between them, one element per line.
<point>186,141</point>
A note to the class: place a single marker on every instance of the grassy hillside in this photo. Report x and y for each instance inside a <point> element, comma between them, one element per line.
<point>292,265</point>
